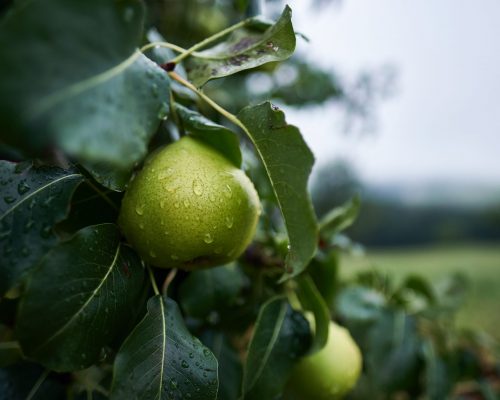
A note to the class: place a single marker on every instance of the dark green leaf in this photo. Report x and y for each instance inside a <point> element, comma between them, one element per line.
<point>10,352</point>
<point>33,200</point>
<point>288,162</point>
<point>79,299</point>
<point>438,380</point>
<point>211,290</point>
<point>340,218</point>
<point>92,93</point>
<point>311,300</point>
<point>230,367</point>
<point>394,346</point>
<point>245,48</point>
<point>324,270</point>
<point>17,381</point>
<point>281,336</point>
<point>162,360</point>
<point>360,304</point>
<point>215,135</point>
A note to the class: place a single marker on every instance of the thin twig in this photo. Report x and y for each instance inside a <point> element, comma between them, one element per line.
<point>37,384</point>
<point>170,277</point>
<point>210,39</point>
<point>152,279</point>
<point>103,195</point>
<point>162,44</point>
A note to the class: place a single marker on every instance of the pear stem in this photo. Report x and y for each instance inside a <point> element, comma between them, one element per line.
<point>210,39</point>
<point>217,107</point>
<point>152,279</point>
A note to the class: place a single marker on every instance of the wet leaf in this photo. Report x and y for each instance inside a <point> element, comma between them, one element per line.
<point>280,337</point>
<point>288,163</point>
<point>311,300</point>
<point>256,44</point>
<point>215,135</point>
<point>210,290</point>
<point>93,94</point>
<point>95,283</point>
<point>162,360</point>
<point>33,200</point>
<point>230,367</point>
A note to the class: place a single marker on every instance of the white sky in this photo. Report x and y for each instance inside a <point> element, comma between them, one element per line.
<point>444,121</point>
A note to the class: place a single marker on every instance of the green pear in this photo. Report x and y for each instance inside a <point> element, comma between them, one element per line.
<point>328,374</point>
<point>189,208</point>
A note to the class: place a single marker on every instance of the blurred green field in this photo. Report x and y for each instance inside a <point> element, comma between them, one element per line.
<point>479,262</point>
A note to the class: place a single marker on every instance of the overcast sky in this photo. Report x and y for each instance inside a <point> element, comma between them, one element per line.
<point>444,121</point>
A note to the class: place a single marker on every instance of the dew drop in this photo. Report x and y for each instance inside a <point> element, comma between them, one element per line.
<point>197,187</point>
<point>228,192</point>
<point>208,238</point>
<point>177,204</point>
<point>165,173</point>
<point>184,364</point>
<point>229,222</point>
<point>139,209</point>
<point>191,355</point>
<point>173,383</point>
<point>206,352</point>
<point>46,230</point>
<point>23,187</point>
<point>141,226</point>
<point>152,254</point>
<point>28,225</point>
<point>9,199</point>
<point>186,203</point>
<point>211,197</point>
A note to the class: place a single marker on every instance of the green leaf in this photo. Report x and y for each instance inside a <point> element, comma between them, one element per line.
<point>323,270</point>
<point>438,377</point>
<point>311,300</point>
<point>10,352</point>
<point>394,345</point>
<point>340,218</point>
<point>162,360</point>
<point>211,290</point>
<point>360,304</point>
<point>288,162</point>
<point>230,367</point>
<point>245,48</point>
<point>18,380</point>
<point>33,200</point>
<point>281,336</point>
<point>215,135</point>
<point>91,93</point>
<point>79,299</point>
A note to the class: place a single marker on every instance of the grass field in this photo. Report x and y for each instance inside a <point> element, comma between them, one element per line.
<point>479,262</point>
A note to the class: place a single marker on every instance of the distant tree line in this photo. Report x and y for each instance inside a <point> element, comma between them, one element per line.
<point>388,222</point>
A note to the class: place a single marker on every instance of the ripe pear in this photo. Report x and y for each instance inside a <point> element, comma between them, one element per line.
<point>189,208</point>
<point>328,374</point>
